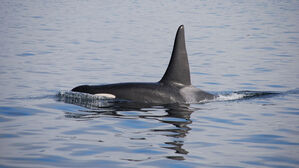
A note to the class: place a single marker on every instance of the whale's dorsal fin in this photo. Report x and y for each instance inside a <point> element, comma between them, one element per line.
<point>178,68</point>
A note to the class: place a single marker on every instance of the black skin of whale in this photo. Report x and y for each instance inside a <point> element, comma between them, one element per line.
<point>174,87</point>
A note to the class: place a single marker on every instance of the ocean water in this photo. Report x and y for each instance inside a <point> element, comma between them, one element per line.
<point>247,52</point>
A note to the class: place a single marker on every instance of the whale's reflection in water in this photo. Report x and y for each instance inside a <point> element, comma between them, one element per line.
<point>175,116</point>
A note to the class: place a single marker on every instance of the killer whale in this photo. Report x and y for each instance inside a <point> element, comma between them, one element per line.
<point>174,87</point>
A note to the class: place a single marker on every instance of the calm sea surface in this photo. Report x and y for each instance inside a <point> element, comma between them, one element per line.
<point>50,46</point>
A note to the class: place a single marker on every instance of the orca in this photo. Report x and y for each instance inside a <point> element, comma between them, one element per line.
<point>174,88</point>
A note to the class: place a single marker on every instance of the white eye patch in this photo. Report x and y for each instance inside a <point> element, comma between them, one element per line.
<point>106,95</point>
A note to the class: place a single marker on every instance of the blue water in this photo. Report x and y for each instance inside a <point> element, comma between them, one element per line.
<point>233,46</point>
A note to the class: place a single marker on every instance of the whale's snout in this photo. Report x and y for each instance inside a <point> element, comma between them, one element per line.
<point>82,88</point>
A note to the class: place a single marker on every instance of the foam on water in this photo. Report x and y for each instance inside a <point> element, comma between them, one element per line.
<point>232,96</point>
<point>85,99</point>
<point>239,95</point>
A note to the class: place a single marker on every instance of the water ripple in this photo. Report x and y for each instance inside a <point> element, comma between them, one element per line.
<point>266,139</point>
